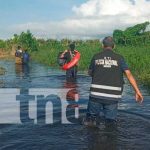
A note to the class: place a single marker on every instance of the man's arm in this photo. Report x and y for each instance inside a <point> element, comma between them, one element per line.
<point>63,54</point>
<point>138,95</point>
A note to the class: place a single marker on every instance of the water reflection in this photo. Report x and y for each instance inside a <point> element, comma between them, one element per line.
<point>2,83</point>
<point>22,70</point>
<point>23,78</point>
<point>73,93</point>
<point>72,97</point>
<point>2,73</point>
<point>101,139</point>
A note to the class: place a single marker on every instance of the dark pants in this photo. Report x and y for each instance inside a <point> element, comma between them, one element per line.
<point>71,73</point>
<point>102,109</point>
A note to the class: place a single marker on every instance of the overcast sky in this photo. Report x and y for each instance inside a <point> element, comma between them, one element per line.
<point>70,18</point>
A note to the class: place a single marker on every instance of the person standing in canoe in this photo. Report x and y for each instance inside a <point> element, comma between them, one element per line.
<point>71,73</point>
<point>106,70</point>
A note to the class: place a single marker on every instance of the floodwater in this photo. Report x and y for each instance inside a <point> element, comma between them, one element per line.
<point>131,133</point>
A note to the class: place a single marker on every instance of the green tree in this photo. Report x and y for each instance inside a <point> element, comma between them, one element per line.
<point>132,35</point>
<point>118,36</point>
<point>26,40</point>
<point>136,30</point>
<point>2,44</point>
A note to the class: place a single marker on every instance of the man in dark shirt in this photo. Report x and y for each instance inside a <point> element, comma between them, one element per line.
<point>106,69</point>
<point>68,55</point>
<point>26,57</point>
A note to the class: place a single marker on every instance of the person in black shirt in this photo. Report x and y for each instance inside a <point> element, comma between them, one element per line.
<point>68,55</point>
<point>106,70</point>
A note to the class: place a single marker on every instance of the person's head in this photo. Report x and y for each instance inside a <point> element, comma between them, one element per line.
<point>19,47</point>
<point>108,42</point>
<point>72,46</point>
<point>25,51</point>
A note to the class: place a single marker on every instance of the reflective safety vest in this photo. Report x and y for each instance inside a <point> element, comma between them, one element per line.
<point>107,76</point>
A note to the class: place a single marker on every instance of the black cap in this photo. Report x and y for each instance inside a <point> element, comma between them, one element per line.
<point>108,42</point>
<point>72,46</point>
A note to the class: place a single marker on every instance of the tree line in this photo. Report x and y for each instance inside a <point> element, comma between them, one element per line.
<point>136,35</point>
<point>131,36</point>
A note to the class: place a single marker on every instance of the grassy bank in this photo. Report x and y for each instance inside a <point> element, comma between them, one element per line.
<point>48,52</point>
<point>138,58</point>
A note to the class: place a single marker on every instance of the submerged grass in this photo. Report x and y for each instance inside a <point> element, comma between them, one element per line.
<point>138,58</point>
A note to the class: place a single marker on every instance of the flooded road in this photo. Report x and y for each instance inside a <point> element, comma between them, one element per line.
<point>131,133</point>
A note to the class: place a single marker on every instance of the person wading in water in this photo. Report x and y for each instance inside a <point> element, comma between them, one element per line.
<point>106,70</point>
<point>68,55</point>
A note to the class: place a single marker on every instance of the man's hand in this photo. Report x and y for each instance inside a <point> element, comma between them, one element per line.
<point>139,97</point>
